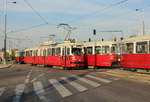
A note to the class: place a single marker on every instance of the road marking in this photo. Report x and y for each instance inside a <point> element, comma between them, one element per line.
<point>64,92</point>
<point>26,81</point>
<point>19,92</point>
<point>115,78</point>
<point>98,78</point>
<point>74,84</point>
<point>38,77</point>
<point>39,90</point>
<point>92,83</point>
<point>2,91</point>
<point>28,77</point>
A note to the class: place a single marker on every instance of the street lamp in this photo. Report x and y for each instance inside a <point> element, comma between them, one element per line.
<point>5,31</point>
<point>142,19</point>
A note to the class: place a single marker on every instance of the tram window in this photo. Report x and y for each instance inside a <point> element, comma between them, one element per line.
<point>68,51</point>
<point>77,51</point>
<point>49,52</point>
<point>44,52</point>
<point>36,53</point>
<point>89,51</point>
<point>141,47</point>
<point>129,48</point>
<point>40,52</point>
<point>58,51</point>
<point>123,49</point>
<point>105,50</point>
<point>20,53</point>
<point>27,53</point>
<point>30,53</point>
<point>53,51</point>
<point>113,49</point>
<point>98,50</point>
<point>149,46</point>
<point>63,51</point>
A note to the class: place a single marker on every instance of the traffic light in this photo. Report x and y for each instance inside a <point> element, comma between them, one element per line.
<point>121,38</point>
<point>94,31</point>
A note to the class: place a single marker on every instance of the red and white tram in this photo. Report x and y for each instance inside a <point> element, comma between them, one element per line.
<point>29,58</point>
<point>101,53</point>
<point>19,56</point>
<point>68,55</point>
<point>135,52</point>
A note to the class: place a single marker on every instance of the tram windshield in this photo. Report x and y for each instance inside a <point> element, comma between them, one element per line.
<point>77,51</point>
<point>141,47</point>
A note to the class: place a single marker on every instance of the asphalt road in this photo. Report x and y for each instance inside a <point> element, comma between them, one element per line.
<point>26,83</point>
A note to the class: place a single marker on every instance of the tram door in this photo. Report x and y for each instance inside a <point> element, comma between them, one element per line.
<point>65,56</point>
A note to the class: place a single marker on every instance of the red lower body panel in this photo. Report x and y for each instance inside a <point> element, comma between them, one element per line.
<point>65,61</point>
<point>29,59</point>
<point>100,60</point>
<point>135,61</point>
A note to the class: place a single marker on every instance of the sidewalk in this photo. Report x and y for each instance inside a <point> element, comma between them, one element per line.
<point>5,66</point>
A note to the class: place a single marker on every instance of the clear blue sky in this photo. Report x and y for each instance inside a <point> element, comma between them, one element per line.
<point>85,15</point>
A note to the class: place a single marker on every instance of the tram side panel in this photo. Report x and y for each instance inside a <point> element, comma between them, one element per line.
<point>105,60</point>
<point>53,60</point>
<point>29,59</point>
<point>135,61</point>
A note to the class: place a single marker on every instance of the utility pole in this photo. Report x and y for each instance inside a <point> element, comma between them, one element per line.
<point>5,29</point>
<point>142,20</point>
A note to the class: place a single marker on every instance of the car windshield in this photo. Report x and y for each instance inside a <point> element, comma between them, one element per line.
<point>77,51</point>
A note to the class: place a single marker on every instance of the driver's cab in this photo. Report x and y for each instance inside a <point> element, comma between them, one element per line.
<point>72,53</point>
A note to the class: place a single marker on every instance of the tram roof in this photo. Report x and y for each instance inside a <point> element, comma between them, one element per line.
<point>137,39</point>
<point>99,43</point>
<point>69,43</point>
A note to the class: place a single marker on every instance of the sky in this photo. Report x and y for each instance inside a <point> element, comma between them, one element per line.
<point>85,15</point>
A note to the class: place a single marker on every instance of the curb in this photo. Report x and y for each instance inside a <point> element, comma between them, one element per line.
<point>6,66</point>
